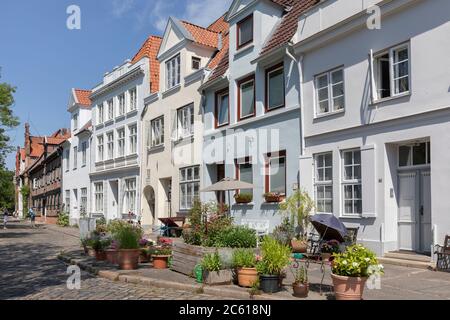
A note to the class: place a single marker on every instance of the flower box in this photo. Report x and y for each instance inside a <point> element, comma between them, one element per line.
<point>221,277</point>
<point>273,197</point>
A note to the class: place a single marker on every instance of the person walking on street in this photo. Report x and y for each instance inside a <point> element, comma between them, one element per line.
<point>5,218</point>
<point>32,217</point>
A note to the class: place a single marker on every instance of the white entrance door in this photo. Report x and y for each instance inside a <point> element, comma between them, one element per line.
<point>407,211</point>
<point>426,240</point>
<point>414,215</point>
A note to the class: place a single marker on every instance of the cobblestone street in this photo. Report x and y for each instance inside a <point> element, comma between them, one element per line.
<point>30,270</point>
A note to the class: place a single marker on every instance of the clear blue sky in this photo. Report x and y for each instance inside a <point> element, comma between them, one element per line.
<point>44,59</point>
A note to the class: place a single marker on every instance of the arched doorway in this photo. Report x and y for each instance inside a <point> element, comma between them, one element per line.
<point>149,194</point>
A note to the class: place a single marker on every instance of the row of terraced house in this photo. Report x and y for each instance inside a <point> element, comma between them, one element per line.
<point>346,99</point>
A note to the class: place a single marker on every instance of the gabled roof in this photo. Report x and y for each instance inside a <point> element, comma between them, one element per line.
<point>220,25</point>
<point>219,64</point>
<point>86,127</point>
<point>82,97</point>
<point>150,49</point>
<point>288,26</point>
<point>202,35</point>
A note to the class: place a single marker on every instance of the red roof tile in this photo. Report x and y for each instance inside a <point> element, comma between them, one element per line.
<point>202,35</point>
<point>82,97</point>
<point>220,25</point>
<point>288,26</point>
<point>150,49</point>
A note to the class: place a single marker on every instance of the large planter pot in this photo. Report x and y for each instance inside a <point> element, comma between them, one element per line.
<point>100,255</point>
<point>247,277</point>
<point>160,262</point>
<point>221,277</point>
<point>299,246</point>
<point>301,290</point>
<point>91,252</point>
<point>129,259</point>
<point>348,288</point>
<point>270,283</point>
<point>112,256</point>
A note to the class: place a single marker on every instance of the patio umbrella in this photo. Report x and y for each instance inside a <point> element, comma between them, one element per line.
<point>329,227</point>
<point>228,184</point>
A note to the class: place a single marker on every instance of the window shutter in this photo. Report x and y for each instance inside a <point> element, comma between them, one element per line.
<point>373,89</point>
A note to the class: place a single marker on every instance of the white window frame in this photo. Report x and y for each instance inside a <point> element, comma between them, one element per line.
<point>185,121</point>
<point>84,153</point>
<point>130,196</point>
<point>100,147</point>
<point>110,145</point>
<point>122,104</point>
<point>83,200</point>
<point>351,182</point>
<point>277,156</point>
<point>132,138</point>
<point>110,109</point>
<point>157,132</point>
<point>75,158</point>
<point>99,197</point>
<point>195,60</point>
<point>121,142</point>
<point>377,74</point>
<point>331,97</point>
<point>268,107</point>
<point>321,182</point>
<point>187,183</point>
<point>241,116</point>
<point>132,93</point>
<point>100,114</point>
<point>173,72</point>
<point>412,165</point>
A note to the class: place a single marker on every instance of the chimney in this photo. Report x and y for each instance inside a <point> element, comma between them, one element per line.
<point>27,140</point>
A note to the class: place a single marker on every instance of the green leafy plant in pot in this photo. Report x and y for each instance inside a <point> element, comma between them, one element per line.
<point>300,285</point>
<point>351,269</point>
<point>244,261</point>
<point>213,270</point>
<point>127,237</point>
<point>298,207</point>
<point>275,257</point>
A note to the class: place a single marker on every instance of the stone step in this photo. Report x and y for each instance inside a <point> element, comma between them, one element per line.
<point>406,263</point>
<point>408,256</point>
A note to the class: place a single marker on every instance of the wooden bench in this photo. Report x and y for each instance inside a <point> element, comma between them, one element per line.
<point>443,255</point>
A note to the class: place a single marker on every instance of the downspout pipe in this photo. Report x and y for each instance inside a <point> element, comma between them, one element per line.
<point>299,62</point>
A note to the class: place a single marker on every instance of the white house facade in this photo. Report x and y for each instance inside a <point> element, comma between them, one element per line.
<point>76,162</point>
<point>376,109</point>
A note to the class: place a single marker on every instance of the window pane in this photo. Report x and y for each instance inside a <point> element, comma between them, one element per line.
<point>348,158</point>
<point>357,191</point>
<point>322,81</point>
<point>328,160</point>
<point>338,103</point>
<point>401,55</point>
<point>245,31</point>
<point>402,85</point>
<point>223,109</point>
<point>278,175</point>
<point>328,206</point>
<point>337,76</point>
<point>357,157</point>
<point>404,156</point>
<point>357,206</point>
<point>323,107</point>
<point>323,94</point>
<point>247,99</point>
<point>348,206</point>
<point>276,88</point>
<point>419,154</point>
<point>357,172</point>
<point>348,192</point>
<point>328,174</point>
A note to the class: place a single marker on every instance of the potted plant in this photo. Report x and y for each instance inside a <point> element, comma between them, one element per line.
<point>243,198</point>
<point>127,237</point>
<point>328,248</point>
<point>85,245</point>
<point>350,271</point>
<point>275,257</point>
<point>213,273</point>
<point>273,197</point>
<point>100,245</point>
<point>298,207</point>
<point>144,244</point>
<point>244,261</point>
<point>112,253</point>
<point>301,285</point>
<point>160,256</point>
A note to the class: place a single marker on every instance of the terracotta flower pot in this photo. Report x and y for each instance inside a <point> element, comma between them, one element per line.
<point>301,290</point>
<point>348,288</point>
<point>247,277</point>
<point>299,246</point>
<point>100,255</point>
<point>144,257</point>
<point>160,262</point>
<point>129,259</point>
<point>273,198</point>
<point>112,256</point>
<point>91,252</point>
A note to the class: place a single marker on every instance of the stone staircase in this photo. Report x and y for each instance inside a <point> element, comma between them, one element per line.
<point>407,259</point>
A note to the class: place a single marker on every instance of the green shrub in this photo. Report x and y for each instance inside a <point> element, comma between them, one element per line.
<point>356,261</point>
<point>128,236</point>
<point>244,258</point>
<point>211,262</point>
<point>63,220</point>
<point>236,237</point>
<point>99,244</point>
<point>275,257</point>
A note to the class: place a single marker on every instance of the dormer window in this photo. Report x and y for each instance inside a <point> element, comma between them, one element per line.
<point>196,62</point>
<point>245,32</point>
<point>173,70</point>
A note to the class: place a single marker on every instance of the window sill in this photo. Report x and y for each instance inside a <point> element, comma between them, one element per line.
<point>250,204</point>
<point>329,114</point>
<point>131,113</point>
<point>246,47</point>
<point>171,90</point>
<point>107,123</point>
<point>120,118</point>
<point>182,139</point>
<point>380,101</point>
<point>108,161</point>
<point>156,148</point>
<point>120,158</point>
<point>132,156</point>
<point>354,217</point>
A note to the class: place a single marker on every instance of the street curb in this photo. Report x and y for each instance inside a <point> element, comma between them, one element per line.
<point>163,284</point>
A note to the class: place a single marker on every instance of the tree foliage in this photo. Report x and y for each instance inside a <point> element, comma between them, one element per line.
<point>7,192</point>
